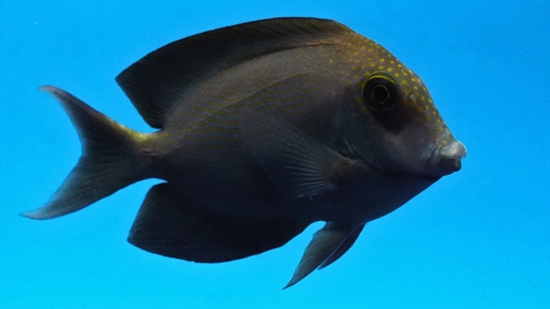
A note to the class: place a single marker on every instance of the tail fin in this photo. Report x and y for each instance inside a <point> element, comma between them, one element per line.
<point>107,164</point>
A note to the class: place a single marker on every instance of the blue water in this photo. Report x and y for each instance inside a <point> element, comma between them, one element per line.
<point>479,238</point>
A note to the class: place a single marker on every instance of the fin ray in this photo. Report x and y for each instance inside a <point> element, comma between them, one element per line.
<point>343,247</point>
<point>299,164</point>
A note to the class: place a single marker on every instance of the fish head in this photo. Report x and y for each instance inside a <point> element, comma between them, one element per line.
<point>392,123</point>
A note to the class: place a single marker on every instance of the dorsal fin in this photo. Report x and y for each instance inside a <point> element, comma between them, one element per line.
<point>156,82</point>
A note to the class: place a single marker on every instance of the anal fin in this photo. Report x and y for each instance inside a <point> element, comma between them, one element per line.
<point>167,226</point>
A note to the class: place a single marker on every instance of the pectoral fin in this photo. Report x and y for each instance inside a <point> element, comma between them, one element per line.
<point>328,245</point>
<point>296,162</point>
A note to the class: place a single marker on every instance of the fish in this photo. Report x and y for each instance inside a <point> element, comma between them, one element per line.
<point>261,129</point>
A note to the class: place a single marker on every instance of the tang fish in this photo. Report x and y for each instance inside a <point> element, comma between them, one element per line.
<point>263,128</point>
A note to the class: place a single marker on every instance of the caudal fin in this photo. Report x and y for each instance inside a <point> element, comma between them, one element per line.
<point>108,161</point>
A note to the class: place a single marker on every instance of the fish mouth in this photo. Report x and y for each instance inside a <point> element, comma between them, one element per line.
<point>447,159</point>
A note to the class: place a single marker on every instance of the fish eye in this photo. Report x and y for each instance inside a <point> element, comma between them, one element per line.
<point>380,91</point>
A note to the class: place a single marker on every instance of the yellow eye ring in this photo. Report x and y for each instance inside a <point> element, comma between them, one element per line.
<point>380,91</point>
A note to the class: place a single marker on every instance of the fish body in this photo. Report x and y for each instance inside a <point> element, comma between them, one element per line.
<point>263,129</point>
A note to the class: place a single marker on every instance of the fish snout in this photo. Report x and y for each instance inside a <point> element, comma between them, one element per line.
<point>448,159</point>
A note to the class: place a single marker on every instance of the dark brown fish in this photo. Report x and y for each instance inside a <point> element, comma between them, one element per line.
<point>263,129</point>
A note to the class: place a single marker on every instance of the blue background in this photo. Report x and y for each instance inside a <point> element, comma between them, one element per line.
<point>476,239</point>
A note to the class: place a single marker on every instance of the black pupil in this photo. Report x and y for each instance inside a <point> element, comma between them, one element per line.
<point>380,94</point>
